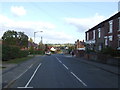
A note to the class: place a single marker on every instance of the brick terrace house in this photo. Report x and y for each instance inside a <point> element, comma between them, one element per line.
<point>79,44</point>
<point>106,33</point>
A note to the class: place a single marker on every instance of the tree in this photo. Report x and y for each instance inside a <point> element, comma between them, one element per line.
<point>10,37</point>
<point>15,38</point>
<point>31,40</point>
<point>22,39</point>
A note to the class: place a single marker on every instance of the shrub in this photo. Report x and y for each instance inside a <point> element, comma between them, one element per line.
<point>9,52</point>
<point>39,52</point>
<point>12,52</point>
<point>110,51</point>
<point>23,53</point>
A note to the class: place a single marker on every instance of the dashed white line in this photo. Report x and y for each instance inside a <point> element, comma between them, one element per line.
<point>58,60</point>
<point>32,76</point>
<point>72,73</point>
<point>62,63</point>
<point>78,79</point>
<point>65,66</point>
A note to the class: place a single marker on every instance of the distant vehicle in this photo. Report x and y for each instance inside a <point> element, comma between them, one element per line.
<point>48,53</point>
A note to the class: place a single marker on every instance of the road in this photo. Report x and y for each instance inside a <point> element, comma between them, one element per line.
<point>59,71</point>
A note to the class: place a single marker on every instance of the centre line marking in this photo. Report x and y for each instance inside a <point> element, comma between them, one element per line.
<point>65,66</point>
<point>78,79</point>
<point>32,76</point>
<point>58,60</point>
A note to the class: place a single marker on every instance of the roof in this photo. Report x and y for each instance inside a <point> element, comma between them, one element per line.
<point>32,44</point>
<point>101,24</point>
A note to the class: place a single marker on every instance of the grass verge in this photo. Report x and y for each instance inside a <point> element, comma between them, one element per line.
<point>17,60</point>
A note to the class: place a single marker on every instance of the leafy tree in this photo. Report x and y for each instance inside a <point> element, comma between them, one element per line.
<point>15,38</point>
<point>10,38</point>
<point>31,40</point>
<point>22,39</point>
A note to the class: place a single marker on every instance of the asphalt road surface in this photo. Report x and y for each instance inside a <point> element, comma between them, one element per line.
<point>59,71</point>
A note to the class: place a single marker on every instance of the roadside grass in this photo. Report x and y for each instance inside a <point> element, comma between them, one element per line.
<point>17,60</point>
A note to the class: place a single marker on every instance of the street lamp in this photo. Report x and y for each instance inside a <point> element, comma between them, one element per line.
<point>34,34</point>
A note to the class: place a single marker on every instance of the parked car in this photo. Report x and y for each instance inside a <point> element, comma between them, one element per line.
<point>48,53</point>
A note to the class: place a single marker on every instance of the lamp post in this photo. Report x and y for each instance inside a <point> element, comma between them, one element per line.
<point>34,39</point>
<point>34,34</point>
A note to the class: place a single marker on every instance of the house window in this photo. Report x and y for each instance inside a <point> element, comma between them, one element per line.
<point>99,32</point>
<point>119,24</point>
<point>110,26</point>
<point>93,34</point>
<point>100,47</point>
<point>110,38</point>
<point>87,36</point>
<point>106,41</point>
<point>119,41</point>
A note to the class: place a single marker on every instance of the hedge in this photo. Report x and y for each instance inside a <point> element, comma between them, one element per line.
<point>12,52</point>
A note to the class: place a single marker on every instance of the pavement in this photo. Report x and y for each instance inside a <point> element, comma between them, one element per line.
<point>13,72</point>
<point>106,67</point>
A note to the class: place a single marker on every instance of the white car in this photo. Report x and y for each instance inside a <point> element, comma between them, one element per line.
<point>47,53</point>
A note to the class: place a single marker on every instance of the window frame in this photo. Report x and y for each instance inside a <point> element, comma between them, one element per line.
<point>99,32</point>
<point>110,26</point>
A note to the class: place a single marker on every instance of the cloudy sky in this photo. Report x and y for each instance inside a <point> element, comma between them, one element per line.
<point>61,22</point>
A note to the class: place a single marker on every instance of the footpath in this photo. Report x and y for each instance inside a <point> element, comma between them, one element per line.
<point>106,67</point>
<point>13,71</point>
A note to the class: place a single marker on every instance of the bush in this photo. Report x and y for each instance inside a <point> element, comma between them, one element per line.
<point>23,53</point>
<point>110,51</point>
<point>12,52</point>
<point>9,52</point>
<point>39,52</point>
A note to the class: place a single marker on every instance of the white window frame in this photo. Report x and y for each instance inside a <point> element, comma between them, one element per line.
<point>110,38</point>
<point>99,32</point>
<point>106,40</point>
<point>93,34</point>
<point>110,26</point>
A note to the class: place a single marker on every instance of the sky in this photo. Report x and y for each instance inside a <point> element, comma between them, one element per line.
<point>61,22</point>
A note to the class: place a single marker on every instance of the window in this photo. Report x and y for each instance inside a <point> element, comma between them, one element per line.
<point>93,34</point>
<point>99,30</point>
<point>106,42</point>
<point>100,47</point>
<point>119,41</point>
<point>110,38</point>
<point>87,36</point>
<point>119,24</point>
<point>110,26</point>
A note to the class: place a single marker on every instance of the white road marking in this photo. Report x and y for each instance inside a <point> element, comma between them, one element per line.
<point>24,71</point>
<point>58,60</point>
<point>32,76</point>
<point>65,66</point>
<point>24,87</point>
<point>72,73</point>
<point>78,79</point>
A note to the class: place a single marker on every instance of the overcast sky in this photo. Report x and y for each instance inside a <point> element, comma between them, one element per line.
<point>61,22</point>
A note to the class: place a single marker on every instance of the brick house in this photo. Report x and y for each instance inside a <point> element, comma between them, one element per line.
<point>79,48</point>
<point>106,33</point>
<point>79,44</point>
